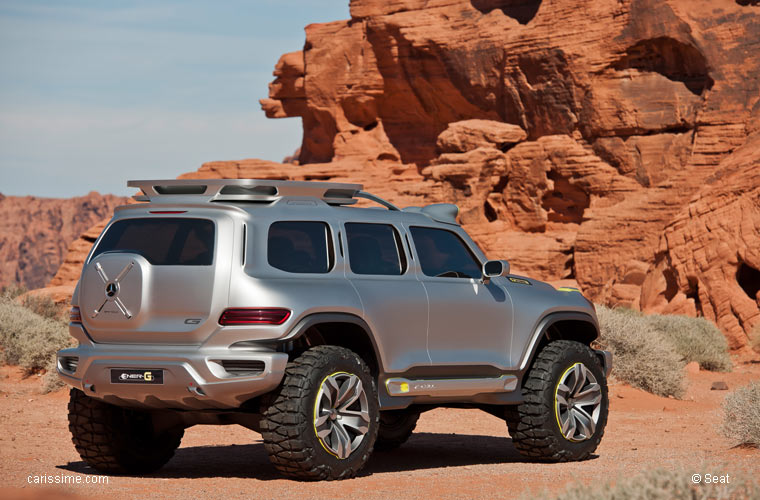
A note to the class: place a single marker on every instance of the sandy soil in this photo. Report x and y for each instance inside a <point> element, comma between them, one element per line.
<point>453,454</point>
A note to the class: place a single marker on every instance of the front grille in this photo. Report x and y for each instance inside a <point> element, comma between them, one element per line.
<point>243,367</point>
<point>69,363</point>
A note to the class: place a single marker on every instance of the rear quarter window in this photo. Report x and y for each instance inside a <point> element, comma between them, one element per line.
<point>374,249</point>
<point>162,241</point>
<point>300,247</point>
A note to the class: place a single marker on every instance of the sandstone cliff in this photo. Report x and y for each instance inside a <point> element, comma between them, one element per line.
<point>628,107</point>
<point>35,233</point>
<point>604,142</point>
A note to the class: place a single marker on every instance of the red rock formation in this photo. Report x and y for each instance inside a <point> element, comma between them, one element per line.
<point>36,232</point>
<point>577,136</point>
<point>708,260</point>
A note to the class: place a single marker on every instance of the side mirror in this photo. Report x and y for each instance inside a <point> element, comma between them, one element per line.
<point>493,269</point>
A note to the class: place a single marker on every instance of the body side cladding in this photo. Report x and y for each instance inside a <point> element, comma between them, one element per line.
<point>317,319</point>
<point>589,332</point>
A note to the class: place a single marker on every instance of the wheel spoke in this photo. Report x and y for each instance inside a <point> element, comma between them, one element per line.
<point>592,394</point>
<point>320,421</point>
<point>343,443</point>
<point>585,422</point>
<point>333,388</point>
<point>349,392</point>
<point>351,397</point>
<point>568,425</point>
<point>357,420</point>
<point>580,378</point>
<point>325,402</point>
<point>325,431</point>
<point>563,388</point>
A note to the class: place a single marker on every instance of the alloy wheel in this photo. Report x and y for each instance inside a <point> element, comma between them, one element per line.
<point>341,414</point>
<point>578,401</point>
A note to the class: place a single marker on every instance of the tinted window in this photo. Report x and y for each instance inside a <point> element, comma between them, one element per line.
<point>374,249</point>
<point>443,253</point>
<point>299,247</point>
<point>163,241</point>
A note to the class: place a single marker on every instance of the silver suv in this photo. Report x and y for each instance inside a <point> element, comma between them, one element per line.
<point>327,328</point>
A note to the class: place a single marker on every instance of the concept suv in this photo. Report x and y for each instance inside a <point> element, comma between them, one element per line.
<point>327,328</point>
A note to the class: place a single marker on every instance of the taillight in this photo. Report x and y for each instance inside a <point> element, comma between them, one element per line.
<point>251,316</point>
<point>167,211</point>
<point>74,315</point>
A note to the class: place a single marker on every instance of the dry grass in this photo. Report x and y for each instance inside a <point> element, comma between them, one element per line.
<point>642,357</point>
<point>30,340</point>
<point>661,484</point>
<point>10,292</point>
<point>39,303</point>
<point>741,421</point>
<point>695,339</point>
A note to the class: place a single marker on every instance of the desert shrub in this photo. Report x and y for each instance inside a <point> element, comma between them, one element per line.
<point>28,339</point>
<point>12,291</point>
<point>741,421</point>
<point>754,338</point>
<point>44,306</point>
<point>695,339</point>
<point>661,484</point>
<point>641,356</point>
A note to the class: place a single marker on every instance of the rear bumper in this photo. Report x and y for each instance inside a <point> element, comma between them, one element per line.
<point>193,377</point>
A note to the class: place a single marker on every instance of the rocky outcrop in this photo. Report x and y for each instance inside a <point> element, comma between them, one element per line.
<point>599,142</point>
<point>708,259</point>
<point>35,233</point>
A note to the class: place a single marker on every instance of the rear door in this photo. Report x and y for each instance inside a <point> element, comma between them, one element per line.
<point>157,279</point>
<point>394,301</point>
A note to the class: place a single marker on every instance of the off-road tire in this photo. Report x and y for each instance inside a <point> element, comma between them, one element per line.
<point>533,423</point>
<point>396,427</point>
<point>118,440</point>
<point>287,416</point>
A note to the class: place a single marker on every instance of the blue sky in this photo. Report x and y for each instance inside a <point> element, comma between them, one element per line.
<point>93,93</point>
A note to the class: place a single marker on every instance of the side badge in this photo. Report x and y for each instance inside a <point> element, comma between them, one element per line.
<point>519,280</point>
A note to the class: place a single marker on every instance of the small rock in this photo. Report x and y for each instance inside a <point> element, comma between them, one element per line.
<point>621,396</point>
<point>719,386</point>
<point>692,367</point>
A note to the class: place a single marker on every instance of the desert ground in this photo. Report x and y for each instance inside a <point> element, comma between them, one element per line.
<point>453,453</point>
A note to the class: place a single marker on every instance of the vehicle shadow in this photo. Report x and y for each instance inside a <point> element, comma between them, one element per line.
<point>424,450</point>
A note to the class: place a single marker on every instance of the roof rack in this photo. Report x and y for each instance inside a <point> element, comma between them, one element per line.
<point>208,190</point>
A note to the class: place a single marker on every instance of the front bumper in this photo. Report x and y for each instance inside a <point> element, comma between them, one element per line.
<point>193,377</point>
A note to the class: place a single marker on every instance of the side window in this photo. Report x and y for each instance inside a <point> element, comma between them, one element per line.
<point>300,247</point>
<point>375,249</point>
<point>442,253</point>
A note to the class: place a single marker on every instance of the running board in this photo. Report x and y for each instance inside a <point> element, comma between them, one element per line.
<point>450,387</point>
